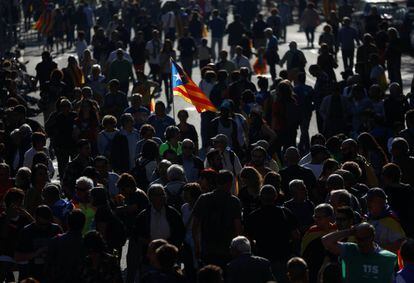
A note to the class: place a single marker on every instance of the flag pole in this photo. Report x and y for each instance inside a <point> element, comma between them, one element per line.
<point>172,93</point>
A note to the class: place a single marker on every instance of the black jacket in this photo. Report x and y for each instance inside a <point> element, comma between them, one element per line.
<point>120,153</point>
<point>142,227</point>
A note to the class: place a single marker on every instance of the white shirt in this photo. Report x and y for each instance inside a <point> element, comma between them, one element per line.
<point>242,61</point>
<point>28,159</point>
<point>159,229</point>
<point>153,48</point>
<point>168,20</point>
<point>112,56</point>
<point>316,169</point>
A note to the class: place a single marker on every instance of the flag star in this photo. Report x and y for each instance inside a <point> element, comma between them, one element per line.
<point>177,77</point>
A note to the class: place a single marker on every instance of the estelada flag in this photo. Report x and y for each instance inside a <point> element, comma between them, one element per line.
<point>183,86</point>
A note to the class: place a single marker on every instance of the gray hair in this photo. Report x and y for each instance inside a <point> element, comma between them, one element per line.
<point>87,182</point>
<point>326,208</point>
<point>241,244</point>
<point>154,190</point>
<point>294,184</point>
<point>175,173</point>
<point>343,196</point>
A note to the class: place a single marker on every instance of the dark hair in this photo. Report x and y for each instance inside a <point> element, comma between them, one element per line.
<point>407,250</point>
<point>211,154</point>
<point>36,168</point>
<point>171,132</point>
<point>167,256</point>
<point>12,196</point>
<point>126,181</point>
<point>99,197</point>
<point>150,150</point>
<point>392,171</point>
<point>101,158</point>
<point>145,129</point>
<point>211,177</point>
<point>367,142</point>
<point>210,274</point>
<point>224,177</point>
<point>262,82</point>
<point>94,242</point>
<point>56,75</point>
<point>76,220</point>
<point>274,179</point>
<point>44,212</point>
<point>354,168</point>
<point>346,210</point>
<point>82,142</point>
<point>193,189</point>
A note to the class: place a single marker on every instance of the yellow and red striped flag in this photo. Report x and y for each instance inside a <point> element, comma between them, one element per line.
<point>183,86</point>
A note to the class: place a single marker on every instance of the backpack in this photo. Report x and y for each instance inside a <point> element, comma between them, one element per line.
<point>140,174</point>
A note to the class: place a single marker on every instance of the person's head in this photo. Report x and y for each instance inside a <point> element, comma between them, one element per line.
<point>210,274</point>
<point>407,251</point>
<point>292,156</point>
<point>109,123</point>
<point>76,220</point>
<point>162,168</point>
<point>43,216</point>
<point>175,173</point>
<point>13,201</point>
<point>354,168</point>
<point>251,179</point>
<point>225,180</point>
<point>207,180</point>
<point>376,202</point>
<point>349,149</point>
<point>155,34</point>
<point>126,184</point>
<point>391,174</point>
<point>183,115</point>
<point>160,109</point>
<point>344,217</point>
<point>315,70</point>
<point>46,56</point>
<point>334,182</point>
<point>38,140</point>
<point>127,122</point>
<point>87,55</point>
<point>293,46</point>
<point>136,100</point>
<point>324,49</point>
<point>323,216</point>
<point>297,270</point>
<point>114,85</point>
<point>268,195</point>
<point>393,33</point>
<point>346,21</point>
<point>223,55</point>
<point>167,256</point>
<point>258,156</point>
<point>83,187</point>
<point>399,148</point>
<point>51,194</point>
<point>188,148</point>
<point>240,246</point>
<point>274,179</point>
<point>99,197</point>
<point>168,46</point>
<point>238,50</point>
<point>268,32</point>
<point>220,142</point>
<point>319,154</point>
<point>191,192</point>
<point>365,235</point>
<point>151,251</point>
<point>409,118</point>
<point>395,89</point>
<point>40,174</point>
<point>150,150</point>
<point>84,148</point>
<point>339,198</point>
<point>172,134</point>
<point>298,190</point>
<point>94,243</point>
<point>215,160</point>
<point>262,83</point>
<point>157,196</point>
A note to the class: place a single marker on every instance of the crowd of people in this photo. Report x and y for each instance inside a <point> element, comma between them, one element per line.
<point>242,199</point>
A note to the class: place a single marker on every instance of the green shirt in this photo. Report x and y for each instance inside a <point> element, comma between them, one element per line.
<point>376,267</point>
<point>166,146</point>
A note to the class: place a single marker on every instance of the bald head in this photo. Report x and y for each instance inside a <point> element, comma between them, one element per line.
<point>292,156</point>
